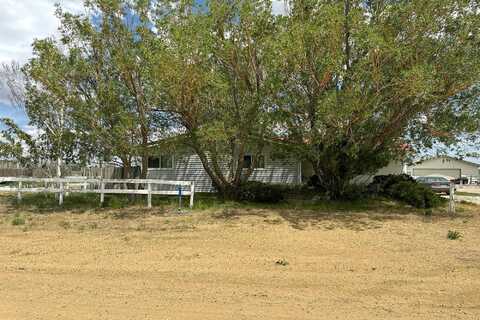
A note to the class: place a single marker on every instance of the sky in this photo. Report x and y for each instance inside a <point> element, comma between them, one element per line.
<point>21,22</point>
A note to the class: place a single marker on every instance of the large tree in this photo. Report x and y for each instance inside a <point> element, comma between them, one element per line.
<point>362,78</point>
<point>106,85</point>
<point>210,65</point>
<point>47,103</point>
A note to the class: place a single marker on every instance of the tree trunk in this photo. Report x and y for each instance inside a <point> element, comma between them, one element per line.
<point>145,153</point>
<point>59,167</point>
<point>144,169</point>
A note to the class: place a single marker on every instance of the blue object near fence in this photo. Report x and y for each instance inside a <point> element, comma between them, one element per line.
<point>179,189</point>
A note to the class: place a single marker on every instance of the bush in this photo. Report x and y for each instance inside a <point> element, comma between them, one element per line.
<point>18,220</point>
<point>260,192</point>
<point>313,181</point>
<point>355,192</point>
<point>404,188</point>
<point>453,235</point>
<point>115,202</point>
<point>382,183</point>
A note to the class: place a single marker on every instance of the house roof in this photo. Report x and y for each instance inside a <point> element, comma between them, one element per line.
<point>453,158</point>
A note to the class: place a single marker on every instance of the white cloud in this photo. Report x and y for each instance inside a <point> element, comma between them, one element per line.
<point>21,21</point>
<point>31,130</point>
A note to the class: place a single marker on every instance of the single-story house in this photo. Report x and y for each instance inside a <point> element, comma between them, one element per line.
<point>445,166</point>
<point>187,166</point>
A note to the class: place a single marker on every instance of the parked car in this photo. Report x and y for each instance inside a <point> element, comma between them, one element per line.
<point>436,183</point>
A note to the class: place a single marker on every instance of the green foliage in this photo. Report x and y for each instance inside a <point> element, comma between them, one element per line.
<point>259,192</point>
<point>454,235</point>
<point>354,192</point>
<point>18,220</point>
<point>382,183</point>
<point>354,90</point>
<point>404,188</point>
<point>17,144</point>
<point>116,202</point>
<point>214,76</point>
<point>39,202</point>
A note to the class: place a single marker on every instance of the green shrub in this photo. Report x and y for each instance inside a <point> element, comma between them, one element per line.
<point>18,220</point>
<point>115,202</point>
<point>382,183</point>
<point>355,192</point>
<point>407,192</point>
<point>453,235</point>
<point>254,191</point>
<point>404,188</point>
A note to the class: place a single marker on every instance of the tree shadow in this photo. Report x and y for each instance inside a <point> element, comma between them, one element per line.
<point>356,219</point>
<point>302,220</point>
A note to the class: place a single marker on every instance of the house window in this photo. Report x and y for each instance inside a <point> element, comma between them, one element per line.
<point>161,162</point>
<point>259,161</point>
<point>153,163</point>
<point>247,161</point>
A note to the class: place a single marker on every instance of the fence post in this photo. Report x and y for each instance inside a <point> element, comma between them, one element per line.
<point>19,193</point>
<point>179,188</point>
<point>192,193</point>
<point>451,204</point>
<point>60,197</point>
<point>102,194</point>
<point>149,196</point>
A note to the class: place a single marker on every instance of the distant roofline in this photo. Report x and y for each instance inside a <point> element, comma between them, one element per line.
<point>450,157</point>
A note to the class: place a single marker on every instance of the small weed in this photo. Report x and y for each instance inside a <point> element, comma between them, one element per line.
<point>18,220</point>
<point>428,212</point>
<point>282,262</point>
<point>65,224</point>
<point>93,225</point>
<point>141,227</point>
<point>454,235</point>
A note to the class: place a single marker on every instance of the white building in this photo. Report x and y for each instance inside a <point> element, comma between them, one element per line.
<point>445,166</point>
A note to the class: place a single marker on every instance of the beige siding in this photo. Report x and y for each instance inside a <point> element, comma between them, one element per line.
<point>394,167</point>
<point>444,163</point>
<point>450,173</point>
<point>188,167</point>
<point>278,171</point>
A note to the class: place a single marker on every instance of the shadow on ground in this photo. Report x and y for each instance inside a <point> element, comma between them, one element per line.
<point>328,220</point>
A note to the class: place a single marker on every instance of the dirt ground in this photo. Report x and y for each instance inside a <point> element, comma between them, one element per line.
<point>473,189</point>
<point>239,264</point>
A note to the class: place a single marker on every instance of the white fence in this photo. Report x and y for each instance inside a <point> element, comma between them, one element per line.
<point>64,186</point>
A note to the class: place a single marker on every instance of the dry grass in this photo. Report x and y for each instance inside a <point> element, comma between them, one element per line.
<point>239,262</point>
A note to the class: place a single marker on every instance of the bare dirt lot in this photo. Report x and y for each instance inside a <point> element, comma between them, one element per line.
<point>236,263</point>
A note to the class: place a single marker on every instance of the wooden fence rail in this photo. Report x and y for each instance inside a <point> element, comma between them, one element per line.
<point>64,186</point>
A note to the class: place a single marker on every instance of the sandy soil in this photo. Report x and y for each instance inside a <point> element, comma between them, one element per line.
<point>473,189</point>
<point>223,265</point>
